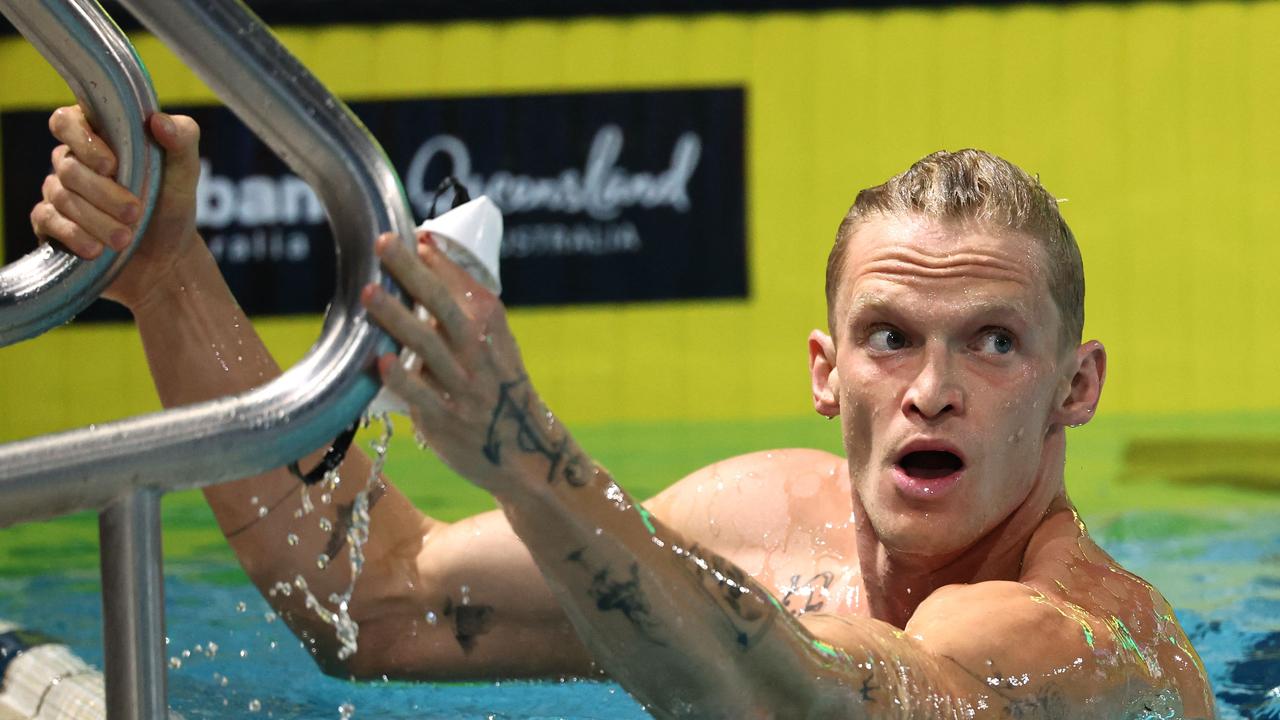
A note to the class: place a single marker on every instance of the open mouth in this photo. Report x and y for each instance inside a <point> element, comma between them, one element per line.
<point>930,464</point>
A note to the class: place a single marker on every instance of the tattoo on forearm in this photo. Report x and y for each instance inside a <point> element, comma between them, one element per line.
<point>624,595</point>
<point>515,412</point>
<point>747,608</point>
<point>815,598</point>
<point>469,622</point>
<point>338,538</point>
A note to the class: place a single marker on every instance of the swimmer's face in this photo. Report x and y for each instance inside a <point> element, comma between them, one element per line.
<point>949,376</point>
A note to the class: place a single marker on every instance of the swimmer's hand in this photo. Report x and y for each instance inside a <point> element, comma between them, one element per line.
<point>85,209</point>
<point>471,401</point>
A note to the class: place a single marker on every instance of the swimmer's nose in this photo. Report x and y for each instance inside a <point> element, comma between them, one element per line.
<point>934,393</point>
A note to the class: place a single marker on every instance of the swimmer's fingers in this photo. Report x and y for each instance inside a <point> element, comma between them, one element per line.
<point>458,281</point>
<point>420,337</point>
<point>70,126</point>
<point>417,391</point>
<point>49,224</point>
<point>424,285</point>
<point>483,309</point>
<point>101,192</point>
<point>74,207</point>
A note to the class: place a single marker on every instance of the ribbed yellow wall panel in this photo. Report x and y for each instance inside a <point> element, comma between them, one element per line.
<point>1156,122</point>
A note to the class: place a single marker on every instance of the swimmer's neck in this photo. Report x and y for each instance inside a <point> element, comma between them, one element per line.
<point>895,584</point>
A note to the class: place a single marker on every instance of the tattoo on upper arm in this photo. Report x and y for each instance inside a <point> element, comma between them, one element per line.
<point>515,412</point>
<point>1045,702</point>
<point>747,608</point>
<point>338,537</point>
<point>815,598</point>
<point>469,622</point>
<point>622,594</point>
<point>868,687</point>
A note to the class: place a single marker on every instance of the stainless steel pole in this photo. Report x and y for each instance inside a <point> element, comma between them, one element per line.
<point>133,607</point>
<point>48,287</point>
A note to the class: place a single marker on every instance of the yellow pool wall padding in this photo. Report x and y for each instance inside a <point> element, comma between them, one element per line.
<point>1156,122</point>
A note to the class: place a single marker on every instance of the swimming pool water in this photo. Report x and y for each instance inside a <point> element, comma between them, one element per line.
<point>1221,572</point>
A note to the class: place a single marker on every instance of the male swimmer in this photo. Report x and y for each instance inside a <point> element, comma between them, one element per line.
<point>938,570</point>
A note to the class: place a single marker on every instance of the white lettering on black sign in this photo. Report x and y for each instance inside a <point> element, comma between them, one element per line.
<point>607,196</point>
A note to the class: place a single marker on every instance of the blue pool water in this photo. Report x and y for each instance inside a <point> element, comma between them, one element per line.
<point>1222,573</point>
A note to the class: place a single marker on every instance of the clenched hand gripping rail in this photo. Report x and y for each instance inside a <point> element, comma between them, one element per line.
<point>122,468</point>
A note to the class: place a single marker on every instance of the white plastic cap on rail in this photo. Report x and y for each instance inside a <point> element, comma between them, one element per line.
<point>471,236</point>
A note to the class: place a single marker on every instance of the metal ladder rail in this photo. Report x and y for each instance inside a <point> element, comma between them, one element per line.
<point>121,468</point>
<point>50,285</point>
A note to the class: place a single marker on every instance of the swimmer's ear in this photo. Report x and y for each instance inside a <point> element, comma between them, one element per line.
<point>1078,399</point>
<point>823,374</point>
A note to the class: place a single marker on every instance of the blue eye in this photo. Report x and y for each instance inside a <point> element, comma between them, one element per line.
<point>887,339</point>
<point>996,342</point>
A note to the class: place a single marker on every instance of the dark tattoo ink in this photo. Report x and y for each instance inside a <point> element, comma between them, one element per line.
<point>338,538</point>
<point>624,595</point>
<point>811,603</point>
<point>749,611</point>
<point>469,622</point>
<point>868,687</point>
<point>513,410</point>
<point>1046,702</point>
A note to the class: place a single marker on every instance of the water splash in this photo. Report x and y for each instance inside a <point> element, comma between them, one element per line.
<point>345,628</point>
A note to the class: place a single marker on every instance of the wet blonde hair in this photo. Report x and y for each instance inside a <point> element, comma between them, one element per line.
<point>974,186</point>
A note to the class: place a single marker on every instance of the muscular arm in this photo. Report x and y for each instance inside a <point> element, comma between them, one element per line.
<point>435,600</point>
<point>686,631</point>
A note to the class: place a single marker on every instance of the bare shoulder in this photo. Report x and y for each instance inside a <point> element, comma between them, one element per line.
<point>756,496</point>
<point>1076,630</point>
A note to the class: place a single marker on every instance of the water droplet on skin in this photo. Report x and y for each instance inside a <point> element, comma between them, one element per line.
<point>325,498</point>
<point>253,500</point>
<point>325,525</point>
<point>262,511</point>
<point>431,618</point>
<point>292,539</point>
<point>322,561</point>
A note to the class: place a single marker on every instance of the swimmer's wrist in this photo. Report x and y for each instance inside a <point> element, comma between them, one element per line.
<point>194,269</point>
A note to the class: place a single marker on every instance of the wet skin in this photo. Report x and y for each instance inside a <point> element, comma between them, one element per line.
<point>895,592</point>
<point>947,336</point>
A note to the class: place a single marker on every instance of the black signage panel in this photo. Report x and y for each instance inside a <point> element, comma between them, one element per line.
<point>606,196</point>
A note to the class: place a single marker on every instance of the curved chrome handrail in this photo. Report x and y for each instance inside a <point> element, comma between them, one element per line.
<point>47,287</point>
<point>300,411</point>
